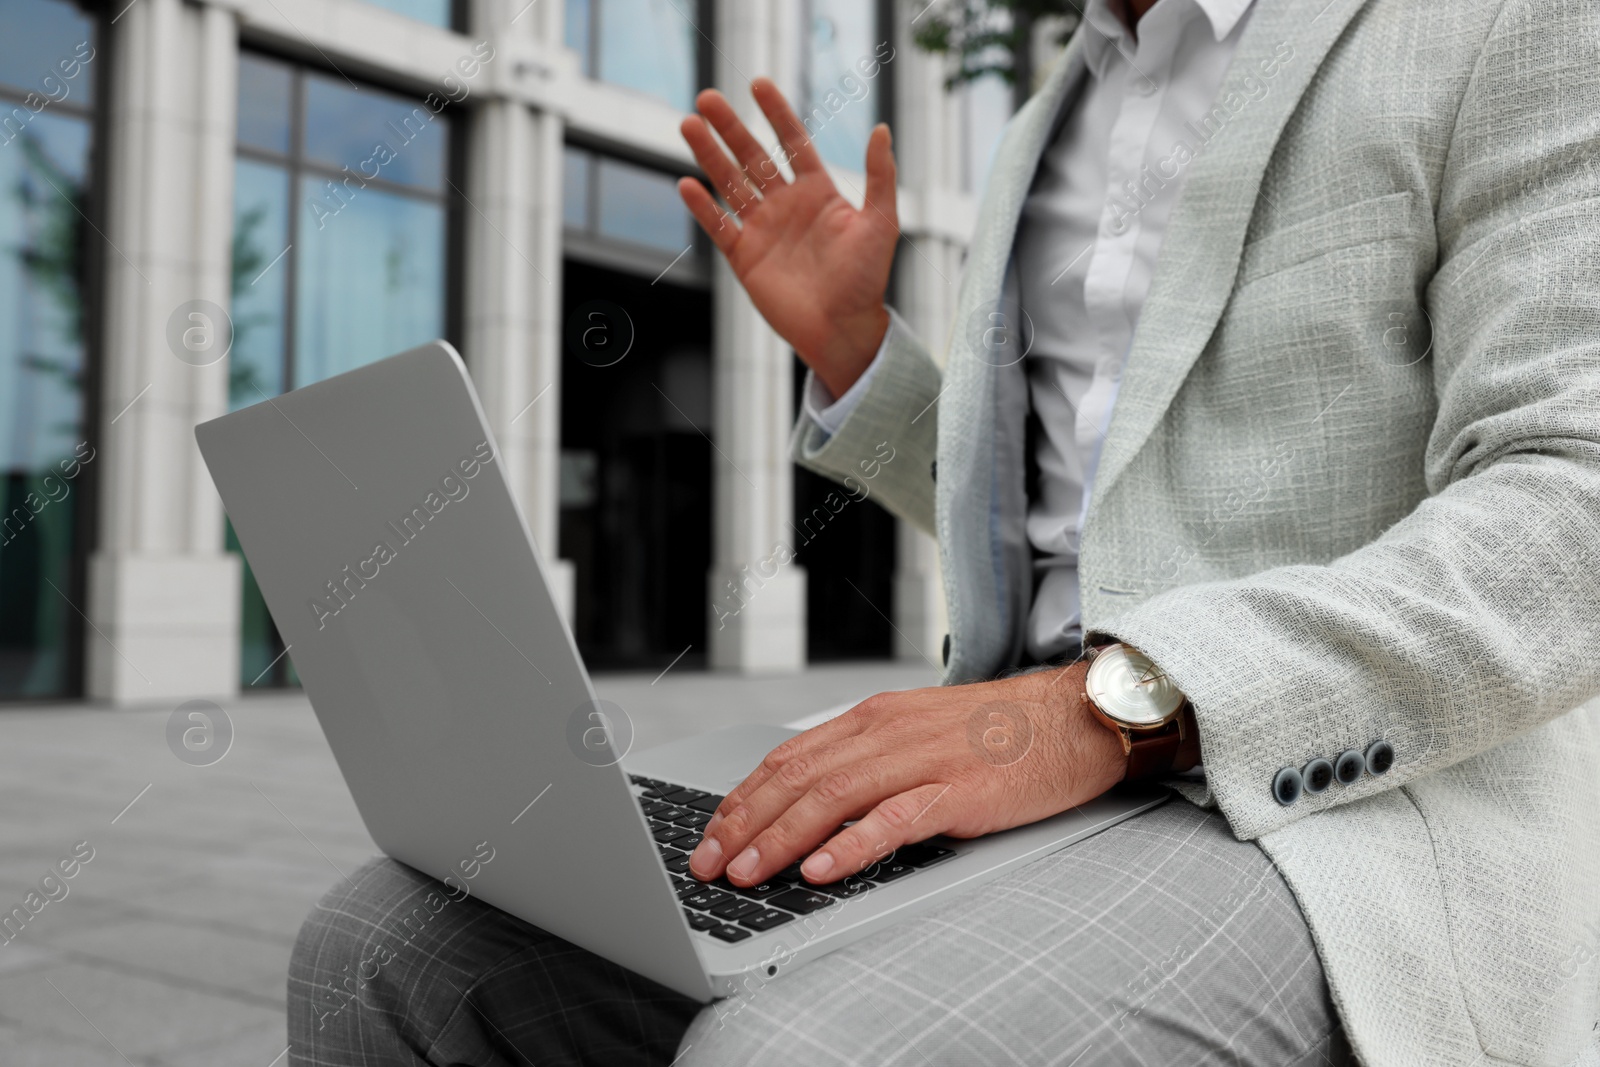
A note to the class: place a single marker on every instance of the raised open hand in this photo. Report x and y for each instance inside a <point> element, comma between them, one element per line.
<point>816,267</point>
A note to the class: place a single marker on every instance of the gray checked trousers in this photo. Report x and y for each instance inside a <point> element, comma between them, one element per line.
<point>1161,941</point>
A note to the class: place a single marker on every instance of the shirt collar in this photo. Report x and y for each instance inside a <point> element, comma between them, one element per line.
<point>1105,32</point>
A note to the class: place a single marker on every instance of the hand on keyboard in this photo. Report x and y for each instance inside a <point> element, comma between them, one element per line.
<point>962,761</point>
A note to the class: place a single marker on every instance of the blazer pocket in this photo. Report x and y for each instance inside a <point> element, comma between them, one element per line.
<point>1364,222</point>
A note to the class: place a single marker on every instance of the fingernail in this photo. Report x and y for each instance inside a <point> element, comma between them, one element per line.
<point>706,856</point>
<point>745,866</point>
<point>817,867</point>
<point>716,820</point>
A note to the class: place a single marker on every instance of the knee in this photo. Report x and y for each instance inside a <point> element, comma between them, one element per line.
<point>347,942</point>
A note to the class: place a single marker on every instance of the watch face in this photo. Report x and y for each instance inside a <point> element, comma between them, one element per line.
<point>1131,690</point>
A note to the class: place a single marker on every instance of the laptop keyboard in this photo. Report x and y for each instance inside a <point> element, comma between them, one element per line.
<point>729,912</point>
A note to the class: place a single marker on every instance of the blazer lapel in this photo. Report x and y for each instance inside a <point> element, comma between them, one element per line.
<point>970,484</point>
<point>1200,254</point>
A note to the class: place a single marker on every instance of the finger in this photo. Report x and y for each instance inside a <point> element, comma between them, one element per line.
<point>797,144</point>
<point>726,838</point>
<point>718,224</point>
<point>831,732</point>
<point>761,170</point>
<point>880,197</point>
<point>850,790</point>
<point>902,819</point>
<point>729,180</point>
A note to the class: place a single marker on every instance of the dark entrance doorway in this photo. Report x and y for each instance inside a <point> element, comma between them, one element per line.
<point>636,466</point>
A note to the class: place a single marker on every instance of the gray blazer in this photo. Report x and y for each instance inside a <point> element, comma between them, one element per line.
<point>1350,494</point>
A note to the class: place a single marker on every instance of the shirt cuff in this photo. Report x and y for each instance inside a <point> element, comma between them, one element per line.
<point>820,406</point>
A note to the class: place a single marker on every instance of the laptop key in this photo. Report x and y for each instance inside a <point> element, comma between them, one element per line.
<point>678,863</point>
<point>729,933</point>
<point>801,901</point>
<point>888,872</point>
<point>670,813</point>
<point>706,899</point>
<point>693,819</point>
<point>790,873</point>
<point>699,920</point>
<point>759,891</point>
<point>656,792</point>
<point>691,841</point>
<point>735,910</point>
<point>684,796</point>
<point>653,808</point>
<point>922,854</point>
<point>667,834</point>
<point>707,804</point>
<point>848,887</point>
<point>766,919</point>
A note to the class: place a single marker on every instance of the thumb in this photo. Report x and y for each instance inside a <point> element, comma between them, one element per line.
<point>880,195</point>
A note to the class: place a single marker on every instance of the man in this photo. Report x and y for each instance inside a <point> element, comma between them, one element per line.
<point>1276,366</point>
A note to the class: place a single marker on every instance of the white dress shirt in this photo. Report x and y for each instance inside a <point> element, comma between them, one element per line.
<point>1085,253</point>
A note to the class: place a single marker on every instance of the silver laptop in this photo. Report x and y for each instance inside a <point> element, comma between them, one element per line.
<point>375,511</point>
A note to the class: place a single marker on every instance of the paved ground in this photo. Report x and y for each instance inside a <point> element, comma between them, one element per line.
<point>170,946</point>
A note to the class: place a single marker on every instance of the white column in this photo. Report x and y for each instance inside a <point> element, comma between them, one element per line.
<point>163,595</point>
<point>512,329</point>
<point>928,150</point>
<point>757,612</point>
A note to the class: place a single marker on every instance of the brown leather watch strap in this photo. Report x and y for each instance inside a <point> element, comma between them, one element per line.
<point>1151,755</point>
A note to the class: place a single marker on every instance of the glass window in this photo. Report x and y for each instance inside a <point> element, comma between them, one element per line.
<point>47,64</point>
<point>649,45</point>
<point>48,50</point>
<point>845,78</point>
<point>376,135</point>
<point>641,206</point>
<point>260,288</point>
<point>433,12</point>
<point>264,103</point>
<point>339,251</point>
<point>369,284</point>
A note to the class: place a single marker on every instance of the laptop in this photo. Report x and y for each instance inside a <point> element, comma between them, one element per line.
<point>376,513</point>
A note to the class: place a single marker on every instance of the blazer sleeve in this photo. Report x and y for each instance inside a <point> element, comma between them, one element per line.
<point>1477,616</point>
<point>886,446</point>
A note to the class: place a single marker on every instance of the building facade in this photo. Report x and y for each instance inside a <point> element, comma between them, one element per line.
<point>204,203</point>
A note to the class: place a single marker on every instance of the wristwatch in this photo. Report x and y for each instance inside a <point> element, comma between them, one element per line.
<point>1134,697</point>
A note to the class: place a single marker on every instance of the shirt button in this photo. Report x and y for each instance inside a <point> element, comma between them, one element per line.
<point>1144,86</point>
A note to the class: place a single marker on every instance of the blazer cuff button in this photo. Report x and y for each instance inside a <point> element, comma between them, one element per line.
<point>1286,786</point>
<point>1349,766</point>
<point>1380,757</point>
<point>1318,775</point>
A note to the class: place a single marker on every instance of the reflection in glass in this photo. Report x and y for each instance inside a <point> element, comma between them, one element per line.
<point>433,12</point>
<point>843,79</point>
<point>641,206</point>
<point>374,133</point>
<point>42,191</point>
<point>264,103</point>
<point>651,46</point>
<point>369,284</point>
<point>260,282</point>
<point>47,48</point>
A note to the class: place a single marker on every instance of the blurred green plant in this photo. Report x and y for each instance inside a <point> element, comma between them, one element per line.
<point>249,259</point>
<point>990,37</point>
